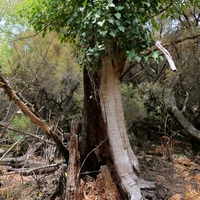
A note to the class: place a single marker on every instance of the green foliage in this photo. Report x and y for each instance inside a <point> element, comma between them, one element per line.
<point>133,101</point>
<point>48,74</point>
<point>11,24</point>
<point>91,23</point>
<point>20,122</point>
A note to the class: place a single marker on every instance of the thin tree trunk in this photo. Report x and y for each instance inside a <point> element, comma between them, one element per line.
<point>111,104</point>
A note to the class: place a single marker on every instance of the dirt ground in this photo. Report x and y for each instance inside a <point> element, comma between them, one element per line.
<point>173,168</point>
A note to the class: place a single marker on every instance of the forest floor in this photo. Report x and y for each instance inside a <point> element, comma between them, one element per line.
<point>174,168</point>
<point>170,164</point>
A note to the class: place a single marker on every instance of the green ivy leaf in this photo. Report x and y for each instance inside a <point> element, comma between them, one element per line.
<point>85,3</point>
<point>138,58</point>
<point>111,21</point>
<point>118,15</point>
<point>101,23</point>
<point>155,55</point>
<point>112,5</point>
<point>130,54</point>
<point>113,33</point>
<point>120,8</point>
<point>121,28</point>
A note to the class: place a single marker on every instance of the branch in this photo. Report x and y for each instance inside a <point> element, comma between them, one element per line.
<point>170,103</point>
<point>33,115</point>
<point>25,133</point>
<point>167,55</point>
<point>9,150</point>
<point>182,120</point>
<point>129,65</point>
<point>36,170</point>
<point>192,37</point>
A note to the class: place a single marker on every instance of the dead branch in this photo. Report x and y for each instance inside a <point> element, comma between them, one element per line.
<point>33,115</point>
<point>9,150</point>
<point>192,37</point>
<point>14,161</point>
<point>167,55</point>
<point>36,170</point>
<point>25,133</point>
<point>182,120</point>
<point>170,102</point>
<point>129,65</point>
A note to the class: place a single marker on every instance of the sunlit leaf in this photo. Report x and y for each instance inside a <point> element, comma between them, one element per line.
<point>121,28</point>
<point>118,15</point>
<point>138,58</point>
<point>100,23</point>
<point>130,54</point>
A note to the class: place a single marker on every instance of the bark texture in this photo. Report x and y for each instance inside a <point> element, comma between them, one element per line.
<point>111,104</point>
<point>94,128</point>
<point>73,166</point>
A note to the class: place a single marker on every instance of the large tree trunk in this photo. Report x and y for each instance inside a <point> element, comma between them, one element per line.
<point>111,104</point>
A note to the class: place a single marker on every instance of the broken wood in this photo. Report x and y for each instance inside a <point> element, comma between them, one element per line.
<point>74,165</point>
<point>105,182</point>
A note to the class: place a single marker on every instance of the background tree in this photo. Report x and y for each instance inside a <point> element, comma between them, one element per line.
<point>152,80</point>
<point>60,92</point>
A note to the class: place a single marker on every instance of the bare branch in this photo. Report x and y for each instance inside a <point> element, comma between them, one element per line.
<point>167,55</point>
<point>9,150</point>
<point>182,120</point>
<point>129,65</point>
<point>33,115</point>
<point>25,133</point>
<point>36,170</point>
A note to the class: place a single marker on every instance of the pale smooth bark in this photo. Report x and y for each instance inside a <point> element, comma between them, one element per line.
<point>123,157</point>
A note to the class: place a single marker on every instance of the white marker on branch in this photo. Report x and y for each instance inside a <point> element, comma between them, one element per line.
<point>167,55</point>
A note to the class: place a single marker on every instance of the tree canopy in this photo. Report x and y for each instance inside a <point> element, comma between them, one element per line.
<point>90,23</point>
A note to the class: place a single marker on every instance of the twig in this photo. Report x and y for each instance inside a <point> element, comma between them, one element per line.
<point>9,150</point>
<point>36,170</point>
<point>32,135</point>
<point>88,156</point>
